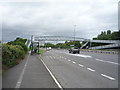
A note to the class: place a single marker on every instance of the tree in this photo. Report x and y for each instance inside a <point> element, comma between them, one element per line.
<point>108,32</point>
<point>108,36</point>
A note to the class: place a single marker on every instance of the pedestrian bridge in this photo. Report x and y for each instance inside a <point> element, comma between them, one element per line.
<point>68,38</point>
<point>113,43</point>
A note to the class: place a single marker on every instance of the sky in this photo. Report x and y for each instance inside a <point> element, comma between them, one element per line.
<point>45,18</point>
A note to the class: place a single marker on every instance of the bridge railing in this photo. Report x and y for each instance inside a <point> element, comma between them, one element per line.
<point>105,41</point>
<point>106,46</point>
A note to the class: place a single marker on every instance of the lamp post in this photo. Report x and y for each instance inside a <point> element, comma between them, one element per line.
<point>74,34</point>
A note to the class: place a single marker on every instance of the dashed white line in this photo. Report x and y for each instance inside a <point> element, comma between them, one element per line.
<point>91,69</point>
<point>81,65</point>
<point>74,62</point>
<point>108,77</point>
<point>69,60</point>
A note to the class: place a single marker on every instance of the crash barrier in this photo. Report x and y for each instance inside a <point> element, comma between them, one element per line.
<point>99,51</point>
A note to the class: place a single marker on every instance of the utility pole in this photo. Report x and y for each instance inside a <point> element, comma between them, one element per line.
<point>74,34</point>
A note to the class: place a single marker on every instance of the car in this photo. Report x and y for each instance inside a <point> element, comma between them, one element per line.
<point>74,50</point>
<point>49,48</point>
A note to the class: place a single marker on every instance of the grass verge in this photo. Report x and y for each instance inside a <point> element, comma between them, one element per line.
<point>41,51</point>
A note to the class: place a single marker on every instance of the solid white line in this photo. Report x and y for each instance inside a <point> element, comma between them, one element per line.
<point>91,69</point>
<point>22,73</point>
<point>100,60</point>
<point>80,55</point>
<point>53,76</point>
<point>81,65</point>
<point>74,62</point>
<point>107,61</point>
<point>108,77</point>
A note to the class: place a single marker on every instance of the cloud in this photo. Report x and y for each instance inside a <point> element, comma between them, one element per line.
<point>45,18</point>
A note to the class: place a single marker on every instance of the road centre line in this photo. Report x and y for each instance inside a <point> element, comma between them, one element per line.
<point>108,77</point>
<point>73,62</point>
<point>69,60</point>
<point>91,69</point>
<point>81,65</point>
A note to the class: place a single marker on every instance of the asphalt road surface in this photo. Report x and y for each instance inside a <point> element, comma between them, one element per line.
<point>30,73</point>
<point>58,68</point>
<point>84,70</point>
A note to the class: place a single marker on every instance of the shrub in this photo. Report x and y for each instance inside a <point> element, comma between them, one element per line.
<point>10,53</point>
<point>21,42</point>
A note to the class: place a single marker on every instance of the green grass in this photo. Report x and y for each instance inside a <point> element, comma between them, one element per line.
<point>41,51</point>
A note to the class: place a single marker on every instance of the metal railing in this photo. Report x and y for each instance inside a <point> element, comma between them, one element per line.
<point>106,46</point>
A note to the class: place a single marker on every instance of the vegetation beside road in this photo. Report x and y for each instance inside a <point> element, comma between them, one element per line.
<point>107,35</point>
<point>66,45</point>
<point>13,52</point>
<point>41,51</point>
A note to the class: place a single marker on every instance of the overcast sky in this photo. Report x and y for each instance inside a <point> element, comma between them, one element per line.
<point>58,18</point>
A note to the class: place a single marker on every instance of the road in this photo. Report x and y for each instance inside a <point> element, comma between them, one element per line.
<point>58,68</point>
<point>30,73</point>
<point>84,70</point>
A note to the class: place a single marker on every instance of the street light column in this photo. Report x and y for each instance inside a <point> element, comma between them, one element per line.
<point>74,34</point>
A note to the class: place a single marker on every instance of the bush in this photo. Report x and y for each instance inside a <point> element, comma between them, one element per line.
<point>22,45</point>
<point>10,53</point>
<point>21,42</point>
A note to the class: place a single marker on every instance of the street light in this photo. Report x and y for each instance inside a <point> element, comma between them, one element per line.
<point>74,34</point>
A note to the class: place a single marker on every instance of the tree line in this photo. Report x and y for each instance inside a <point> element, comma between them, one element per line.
<point>107,35</point>
<point>66,45</point>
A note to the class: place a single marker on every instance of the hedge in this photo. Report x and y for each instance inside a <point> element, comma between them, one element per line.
<point>10,53</point>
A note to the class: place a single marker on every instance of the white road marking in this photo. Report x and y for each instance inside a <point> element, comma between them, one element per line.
<point>53,76</point>
<point>81,55</point>
<point>25,65</point>
<point>108,77</point>
<point>74,62</point>
<point>69,60</point>
<point>107,61</point>
<point>22,73</point>
<point>91,69</point>
<point>81,65</point>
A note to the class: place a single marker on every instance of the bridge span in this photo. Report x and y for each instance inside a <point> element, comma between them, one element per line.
<point>112,43</point>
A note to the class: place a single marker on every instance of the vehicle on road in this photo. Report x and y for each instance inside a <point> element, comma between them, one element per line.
<point>74,50</point>
<point>49,48</point>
